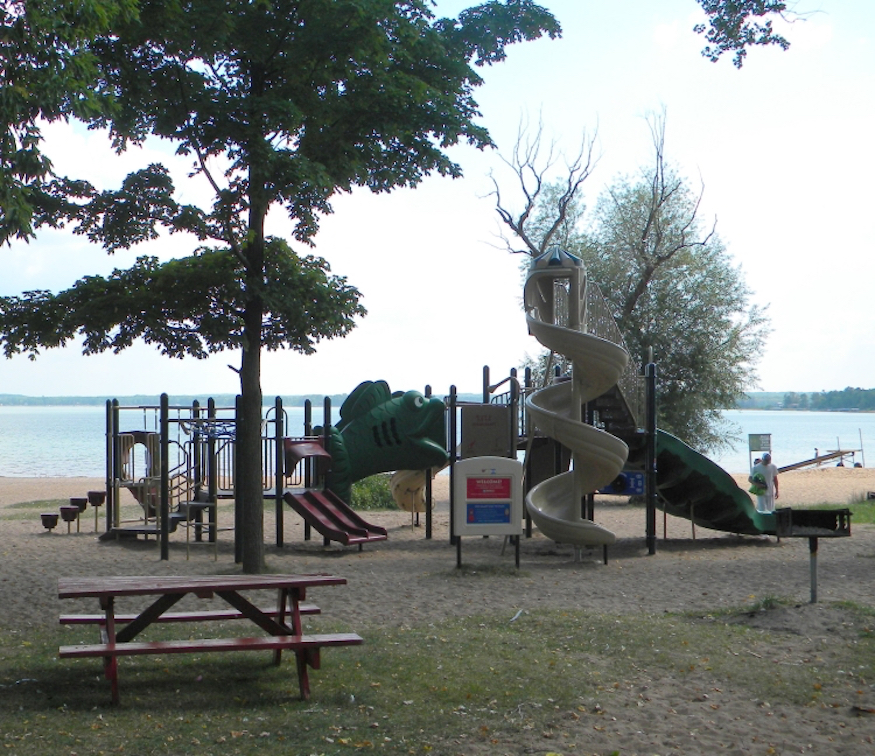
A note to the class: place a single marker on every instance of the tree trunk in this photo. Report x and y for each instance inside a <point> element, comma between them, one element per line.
<point>250,490</point>
<point>249,454</point>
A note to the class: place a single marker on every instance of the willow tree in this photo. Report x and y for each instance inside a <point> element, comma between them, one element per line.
<point>671,285</point>
<point>277,104</point>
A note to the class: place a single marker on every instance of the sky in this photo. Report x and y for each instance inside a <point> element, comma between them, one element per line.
<point>783,148</point>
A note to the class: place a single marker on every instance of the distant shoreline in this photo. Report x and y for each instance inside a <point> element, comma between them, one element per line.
<point>149,400</point>
<point>227,400</point>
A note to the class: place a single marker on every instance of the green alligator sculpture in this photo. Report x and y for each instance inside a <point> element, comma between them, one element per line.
<point>380,431</point>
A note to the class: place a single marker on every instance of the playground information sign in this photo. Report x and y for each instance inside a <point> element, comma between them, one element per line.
<point>488,496</point>
<point>487,514</point>
<point>759,442</point>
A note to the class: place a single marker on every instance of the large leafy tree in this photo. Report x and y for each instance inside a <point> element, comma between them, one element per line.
<point>277,103</point>
<point>667,276</point>
<point>676,292</point>
<point>735,25</point>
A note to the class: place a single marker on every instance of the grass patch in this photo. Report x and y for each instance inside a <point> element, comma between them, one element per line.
<point>862,510</point>
<point>46,505</point>
<point>763,604</point>
<point>25,509</point>
<point>482,681</point>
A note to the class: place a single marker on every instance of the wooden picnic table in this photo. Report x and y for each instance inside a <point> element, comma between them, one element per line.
<point>282,623</point>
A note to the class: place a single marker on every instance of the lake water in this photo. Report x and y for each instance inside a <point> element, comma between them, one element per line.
<point>796,435</point>
<point>69,441</point>
<point>62,442</point>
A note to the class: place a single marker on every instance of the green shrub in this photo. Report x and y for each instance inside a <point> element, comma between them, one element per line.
<point>374,492</point>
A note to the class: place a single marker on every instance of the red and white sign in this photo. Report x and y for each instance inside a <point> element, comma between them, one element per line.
<point>488,488</point>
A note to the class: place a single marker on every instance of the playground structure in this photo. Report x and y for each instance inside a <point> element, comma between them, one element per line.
<point>180,463</point>
<point>379,431</point>
<point>177,462</point>
<point>598,415</point>
<point>593,431</point>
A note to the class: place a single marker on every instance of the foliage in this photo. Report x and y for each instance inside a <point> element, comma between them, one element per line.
<point>792,400</point>
<point>767,400</point>
<point>191,306</point>
<point>669,281</point>
<point>48,74</point>
<point>279,104</point>
<point>373,492</point>
<point>847,398</point>
<point>735,25</point>
<point>675,291</point>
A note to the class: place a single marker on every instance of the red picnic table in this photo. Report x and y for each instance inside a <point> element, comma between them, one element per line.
<point>281,622</point>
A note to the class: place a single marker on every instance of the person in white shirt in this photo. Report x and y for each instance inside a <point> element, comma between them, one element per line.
<point>769,473</point>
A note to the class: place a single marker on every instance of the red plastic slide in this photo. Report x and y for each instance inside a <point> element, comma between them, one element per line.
<point>333,518</point>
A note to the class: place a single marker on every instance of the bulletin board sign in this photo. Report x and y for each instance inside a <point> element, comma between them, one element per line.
<point>487,513</point>
<point>485,430</point>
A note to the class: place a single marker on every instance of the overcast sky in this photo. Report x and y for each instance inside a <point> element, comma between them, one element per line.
<point>784,148</point>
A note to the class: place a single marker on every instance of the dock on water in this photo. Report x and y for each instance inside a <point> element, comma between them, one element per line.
<point>829,456</point>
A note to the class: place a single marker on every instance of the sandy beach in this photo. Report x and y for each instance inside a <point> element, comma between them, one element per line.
<point>406,581</point>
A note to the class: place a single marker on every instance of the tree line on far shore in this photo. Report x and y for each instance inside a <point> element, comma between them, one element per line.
<point>848,399</point>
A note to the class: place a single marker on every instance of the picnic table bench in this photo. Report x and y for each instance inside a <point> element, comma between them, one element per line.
<point>282,623</point>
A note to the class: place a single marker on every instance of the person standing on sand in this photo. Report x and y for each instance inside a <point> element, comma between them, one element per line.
<point>765,471</point>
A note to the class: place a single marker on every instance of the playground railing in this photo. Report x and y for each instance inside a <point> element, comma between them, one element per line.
<point>600,321</point>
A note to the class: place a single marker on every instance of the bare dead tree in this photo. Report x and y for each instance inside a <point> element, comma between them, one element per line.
<point>532,162</point>
<point>655,247</point>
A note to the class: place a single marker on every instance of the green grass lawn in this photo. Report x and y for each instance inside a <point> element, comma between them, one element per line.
<point>454,687</point>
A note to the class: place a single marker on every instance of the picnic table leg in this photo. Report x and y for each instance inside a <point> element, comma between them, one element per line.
<point>302,657</point>
<point>107,634</point>
<point>282,606</point>
<point>289,605</point>
<point>110,670</point>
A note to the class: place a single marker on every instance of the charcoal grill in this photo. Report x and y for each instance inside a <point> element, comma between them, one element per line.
<point>813,524</point>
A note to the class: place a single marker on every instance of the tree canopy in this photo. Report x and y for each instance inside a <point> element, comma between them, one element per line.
<point>735,25</point>
<point>276,104</point>
<point>667,278</point>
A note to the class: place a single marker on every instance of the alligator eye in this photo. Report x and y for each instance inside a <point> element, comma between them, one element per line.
<point>418,402</point>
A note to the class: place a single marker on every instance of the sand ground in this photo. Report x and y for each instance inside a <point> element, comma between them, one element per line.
<point>408,580</point>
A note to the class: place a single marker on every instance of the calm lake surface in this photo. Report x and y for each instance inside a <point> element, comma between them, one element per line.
<point>70,442</point>
<point>62,442</point>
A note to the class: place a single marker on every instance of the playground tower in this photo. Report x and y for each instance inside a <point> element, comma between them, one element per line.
<point>555,296</point>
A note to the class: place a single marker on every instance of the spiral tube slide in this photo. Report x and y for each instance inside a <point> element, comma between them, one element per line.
<point>598,457</point>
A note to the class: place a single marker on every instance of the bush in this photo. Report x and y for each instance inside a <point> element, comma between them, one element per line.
<point>374,492</point>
